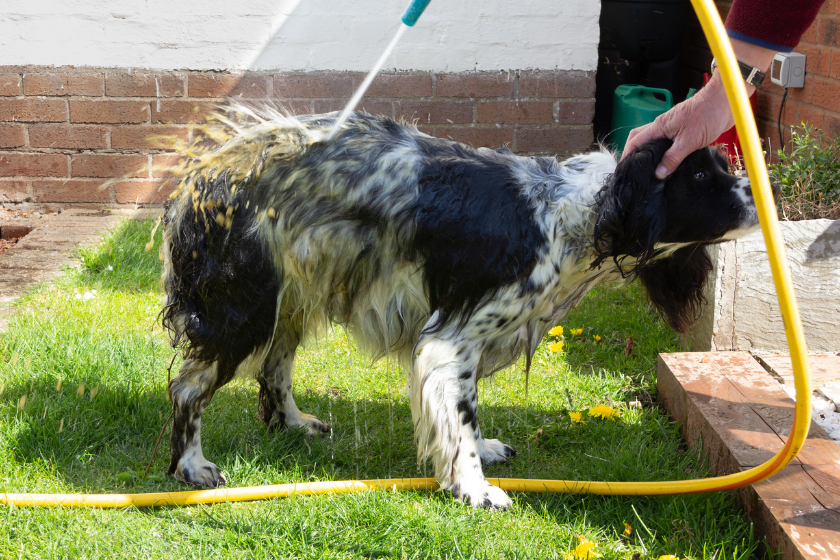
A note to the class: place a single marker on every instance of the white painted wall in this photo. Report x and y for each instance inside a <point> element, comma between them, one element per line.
<point>452,35</point>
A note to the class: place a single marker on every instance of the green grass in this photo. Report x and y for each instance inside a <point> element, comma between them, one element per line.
<point>98,438</point>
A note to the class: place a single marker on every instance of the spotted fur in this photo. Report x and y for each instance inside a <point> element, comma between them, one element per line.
<point>455,260</point>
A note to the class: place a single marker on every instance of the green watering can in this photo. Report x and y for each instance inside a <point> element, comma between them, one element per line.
<point>635,105</point>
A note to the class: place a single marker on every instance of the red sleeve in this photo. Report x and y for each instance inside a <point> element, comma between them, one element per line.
<point>773,24</point>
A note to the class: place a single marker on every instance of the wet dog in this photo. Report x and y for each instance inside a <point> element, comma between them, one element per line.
<point>454,260</point>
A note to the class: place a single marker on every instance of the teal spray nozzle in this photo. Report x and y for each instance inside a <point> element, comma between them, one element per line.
<point>413,11</point>
<point>409,18</point>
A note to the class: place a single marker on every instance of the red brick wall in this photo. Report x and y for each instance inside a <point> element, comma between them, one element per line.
<point>818,103</point>
<point>64,131</point>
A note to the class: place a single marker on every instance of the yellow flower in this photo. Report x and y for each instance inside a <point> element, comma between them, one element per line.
<point>556,331</point>
<point>628,530</point>
<point>603,411</point>
<point>577,417</point>
<point>597,338</point>
<point>556,346</point>
<point>576,332</point>
<point>584,550</point>
<point>667,557</point>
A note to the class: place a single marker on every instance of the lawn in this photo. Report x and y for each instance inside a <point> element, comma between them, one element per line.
<point>82,399</point>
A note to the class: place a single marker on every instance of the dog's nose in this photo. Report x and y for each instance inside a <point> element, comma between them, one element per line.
<point>774,187</point>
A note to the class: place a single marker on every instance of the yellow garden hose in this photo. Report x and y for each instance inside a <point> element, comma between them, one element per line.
<point>745,123</point>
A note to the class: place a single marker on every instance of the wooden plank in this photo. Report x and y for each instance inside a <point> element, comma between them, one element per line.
<point>824,368</point>
<point>741,414</point>
<point>785,511</point>
<point>732,431</point>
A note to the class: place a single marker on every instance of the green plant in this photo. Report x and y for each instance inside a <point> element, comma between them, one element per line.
<point>809,175</point>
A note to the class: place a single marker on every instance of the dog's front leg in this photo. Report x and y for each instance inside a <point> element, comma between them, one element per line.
<point>444,411</point>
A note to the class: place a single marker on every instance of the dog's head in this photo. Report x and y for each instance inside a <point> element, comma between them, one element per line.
<point>658,229</point>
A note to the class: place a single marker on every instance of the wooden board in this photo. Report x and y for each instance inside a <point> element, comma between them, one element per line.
<point>824,368</point>
<point>742,416</point>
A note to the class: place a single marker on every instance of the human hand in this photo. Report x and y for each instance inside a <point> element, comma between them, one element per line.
<point>692,124</point>
<point>697,122</point>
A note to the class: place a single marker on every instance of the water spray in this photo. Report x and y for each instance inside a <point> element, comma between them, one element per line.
<point>409,18</point>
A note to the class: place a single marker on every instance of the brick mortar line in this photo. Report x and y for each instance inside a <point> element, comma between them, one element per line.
<point>87,151</point>
<point>218,99</point>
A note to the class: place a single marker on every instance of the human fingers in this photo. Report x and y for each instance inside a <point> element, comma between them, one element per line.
<point>642,135</point>
<point>673,158</point>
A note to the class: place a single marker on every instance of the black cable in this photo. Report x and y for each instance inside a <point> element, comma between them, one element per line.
<point>779,122</point>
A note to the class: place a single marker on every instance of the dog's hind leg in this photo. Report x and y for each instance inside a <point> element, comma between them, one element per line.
<point>277,405</point>
<point>190,392</point>
<point>444,411</point>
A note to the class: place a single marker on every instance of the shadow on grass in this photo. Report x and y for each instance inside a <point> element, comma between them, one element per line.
<point>91,441</point>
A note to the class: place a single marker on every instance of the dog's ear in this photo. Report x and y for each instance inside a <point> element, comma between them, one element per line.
<point>631,213</point>
<point>675,285</point>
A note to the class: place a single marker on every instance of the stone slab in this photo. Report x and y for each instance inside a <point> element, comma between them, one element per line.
<point>830,391</point>
<point>742,416</point>
<point>743,310</point>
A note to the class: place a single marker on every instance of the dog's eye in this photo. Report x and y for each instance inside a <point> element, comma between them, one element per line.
<point>699,175</point>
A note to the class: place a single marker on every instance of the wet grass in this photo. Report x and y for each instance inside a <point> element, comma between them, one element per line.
<point>82,398</point>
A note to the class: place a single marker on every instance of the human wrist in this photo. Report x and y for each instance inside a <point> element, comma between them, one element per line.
<point>752,55</point>
<point>716,101</point>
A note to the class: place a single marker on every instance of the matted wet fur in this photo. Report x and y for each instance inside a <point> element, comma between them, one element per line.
<point>455,260</point>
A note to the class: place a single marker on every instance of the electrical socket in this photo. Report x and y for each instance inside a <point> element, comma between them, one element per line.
<point>788,70</point>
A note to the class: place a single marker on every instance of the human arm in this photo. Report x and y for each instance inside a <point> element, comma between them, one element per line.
<point>757,30</point>
<point>698,121</point>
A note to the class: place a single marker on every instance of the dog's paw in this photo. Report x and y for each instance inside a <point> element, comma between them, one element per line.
<point>494,451</point>
<point>201,474</point>
<point>310,424</point>
<point>480,493</point>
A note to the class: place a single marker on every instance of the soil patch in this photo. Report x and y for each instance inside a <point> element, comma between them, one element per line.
<point>6,244</point>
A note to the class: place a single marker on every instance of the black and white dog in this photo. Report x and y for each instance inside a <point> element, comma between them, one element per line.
<point>453,259</point>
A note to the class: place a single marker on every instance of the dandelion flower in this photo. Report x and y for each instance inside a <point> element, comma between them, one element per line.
<point>667,557</point>
<point>556,331</point>
<point>556,346</point>
<point>577,418</point>
<point>576,332</point>
<point>628,530</point>
<point>602,411</point>
<point>584,550</point>
<point>597,338</point>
